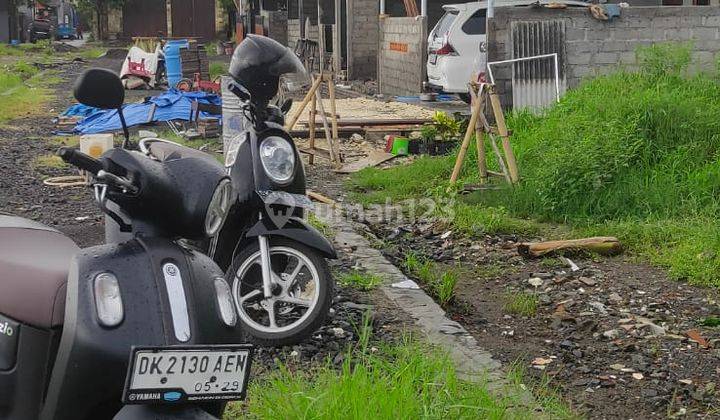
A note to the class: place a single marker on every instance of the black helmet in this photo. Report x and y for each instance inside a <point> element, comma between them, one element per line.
<point>258,63</point>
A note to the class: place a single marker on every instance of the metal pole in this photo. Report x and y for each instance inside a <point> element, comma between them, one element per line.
<point>423,8</point>
<point>490,9</point>
<point>382,7</point>
<point>557,77</point>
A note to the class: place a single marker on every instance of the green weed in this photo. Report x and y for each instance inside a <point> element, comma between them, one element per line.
<point>711,321</point>
<point>321,226</point>
<point>440,281</point>
<point>358,280</point>
<point>521,303</point>
<point>218,69</point>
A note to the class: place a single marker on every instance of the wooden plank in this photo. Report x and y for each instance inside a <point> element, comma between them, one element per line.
<point>375,158</point>
<point>303,104</point>
<point>315,152</point>
<point>311,129</point>
<point>606,245</point>
<point>321,198</point>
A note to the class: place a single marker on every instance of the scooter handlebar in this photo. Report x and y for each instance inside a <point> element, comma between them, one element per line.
<point>80,160</point>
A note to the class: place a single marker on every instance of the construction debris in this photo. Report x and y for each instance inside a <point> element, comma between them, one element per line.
<point>374,158</point>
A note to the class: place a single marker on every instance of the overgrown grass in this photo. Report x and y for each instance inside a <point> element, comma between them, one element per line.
<point>631,154</point>
<point>408,380</point>
<point>521,303</point>
<point>439,280</point>
<point>21,93</point>
<point>360,280</point>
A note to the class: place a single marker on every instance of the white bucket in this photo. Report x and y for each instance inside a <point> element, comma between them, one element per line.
<point>96,144</point>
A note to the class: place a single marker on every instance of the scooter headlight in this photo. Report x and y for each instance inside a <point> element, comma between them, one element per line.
<point>218,208</point>
<point>278,159</point>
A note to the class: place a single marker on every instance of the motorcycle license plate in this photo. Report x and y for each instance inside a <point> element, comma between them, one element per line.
<point>187,373</point>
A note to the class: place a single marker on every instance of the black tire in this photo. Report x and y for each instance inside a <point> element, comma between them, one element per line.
<point>319,313</point>
<point>465,97</point>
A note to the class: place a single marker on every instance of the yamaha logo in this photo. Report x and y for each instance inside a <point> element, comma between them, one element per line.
<point>6,329</point>
<point>171,270</point>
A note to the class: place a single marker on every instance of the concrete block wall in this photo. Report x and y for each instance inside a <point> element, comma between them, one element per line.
<point>277,25</point>
<point>293,32</point>
<point>362,35</point>
<point>594,47</point>
<point>402,55</point>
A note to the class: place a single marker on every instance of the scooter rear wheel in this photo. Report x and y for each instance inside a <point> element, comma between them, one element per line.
<point>302,293</point>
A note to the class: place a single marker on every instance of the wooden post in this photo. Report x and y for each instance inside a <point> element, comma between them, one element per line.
<point>333,110</point>
<point>303,104</point>
<point>481,161</point>
<point>477,92</point>
<point>503,131</point>
<point>311,129</point>
<point>466,142</point>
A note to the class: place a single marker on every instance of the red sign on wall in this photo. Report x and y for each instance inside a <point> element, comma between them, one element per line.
<point>399,46</point>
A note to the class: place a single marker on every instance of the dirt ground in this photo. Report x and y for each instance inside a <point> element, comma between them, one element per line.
<point>618,338</point>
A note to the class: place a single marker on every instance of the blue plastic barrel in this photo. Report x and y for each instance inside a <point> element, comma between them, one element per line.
<point>173,64</point>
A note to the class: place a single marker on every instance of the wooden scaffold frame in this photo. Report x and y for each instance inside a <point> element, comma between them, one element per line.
<point>482,93</point>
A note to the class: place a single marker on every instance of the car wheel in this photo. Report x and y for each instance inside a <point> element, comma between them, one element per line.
<point>465,97</point>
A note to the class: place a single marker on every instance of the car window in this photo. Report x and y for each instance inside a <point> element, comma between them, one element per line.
<point>443,25</point>
<point>475,25</point>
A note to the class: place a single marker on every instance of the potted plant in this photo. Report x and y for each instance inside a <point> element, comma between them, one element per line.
<point>448,131</point>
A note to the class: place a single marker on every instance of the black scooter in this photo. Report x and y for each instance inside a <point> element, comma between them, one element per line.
<point>273,259</point>
<point>142,329</point>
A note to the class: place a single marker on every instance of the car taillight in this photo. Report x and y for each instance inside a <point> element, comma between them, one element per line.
<point>446,49</point>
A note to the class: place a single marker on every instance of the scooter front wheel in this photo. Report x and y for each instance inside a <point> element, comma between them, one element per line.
<point>302,290</point>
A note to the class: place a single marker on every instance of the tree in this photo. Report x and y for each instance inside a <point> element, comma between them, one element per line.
<point>99,8</point>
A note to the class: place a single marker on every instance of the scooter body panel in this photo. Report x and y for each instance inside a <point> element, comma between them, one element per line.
<point>26,353</point>
<point>90,369</point>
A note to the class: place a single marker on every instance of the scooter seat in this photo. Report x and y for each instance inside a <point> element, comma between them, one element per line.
<point>166,151</point>
<point>34,263</point>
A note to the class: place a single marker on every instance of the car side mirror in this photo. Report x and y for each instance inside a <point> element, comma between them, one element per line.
<point>99,88</point>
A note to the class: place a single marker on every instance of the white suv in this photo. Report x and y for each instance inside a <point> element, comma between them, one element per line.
<point>456,45</point>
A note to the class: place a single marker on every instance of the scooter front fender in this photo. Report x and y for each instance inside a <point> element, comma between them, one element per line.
<point>298,230</point>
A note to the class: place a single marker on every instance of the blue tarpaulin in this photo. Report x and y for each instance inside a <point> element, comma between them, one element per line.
<point>171,105</point>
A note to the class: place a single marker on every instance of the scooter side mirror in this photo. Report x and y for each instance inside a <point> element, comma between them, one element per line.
<point>99,88</point>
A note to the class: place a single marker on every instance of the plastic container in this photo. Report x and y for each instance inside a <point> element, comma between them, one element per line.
<point>173,63</point>
<point>400,146</point>
<point>96,144</point>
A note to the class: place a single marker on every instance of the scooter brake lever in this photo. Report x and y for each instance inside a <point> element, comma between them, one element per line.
<point>101,198</point>
<point>124,184</point>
